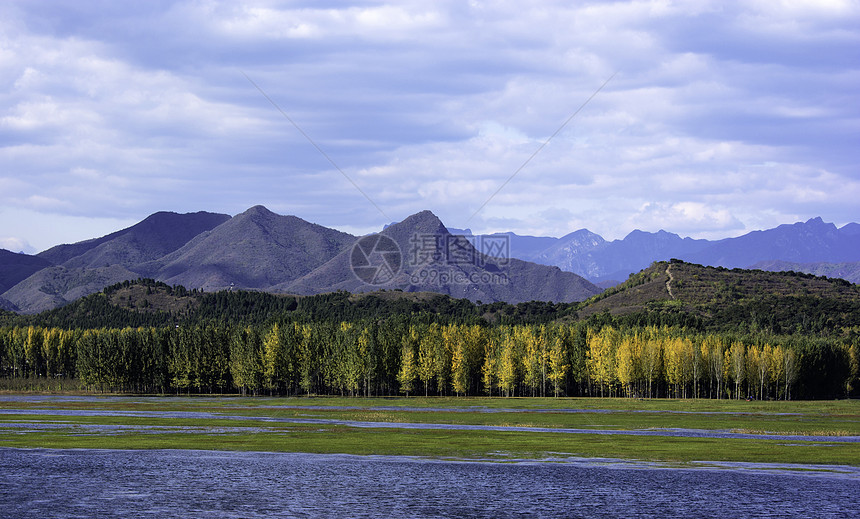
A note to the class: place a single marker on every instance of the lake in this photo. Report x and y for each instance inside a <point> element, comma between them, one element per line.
<point>175,483</point>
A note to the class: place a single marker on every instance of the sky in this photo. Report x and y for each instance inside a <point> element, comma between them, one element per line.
<point>704,118</point>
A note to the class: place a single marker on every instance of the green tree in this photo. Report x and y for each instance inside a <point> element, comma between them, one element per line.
<point>427,346</point>
<point>737,361</point>
<point>246,360</point>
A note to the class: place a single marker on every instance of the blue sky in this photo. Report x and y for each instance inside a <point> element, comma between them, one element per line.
<point>721,118</point>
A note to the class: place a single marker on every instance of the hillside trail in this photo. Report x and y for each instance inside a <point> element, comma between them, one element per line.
<point>669,281</point>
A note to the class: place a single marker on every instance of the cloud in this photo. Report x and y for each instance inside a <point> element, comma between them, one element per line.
<point>721,118</point>
<point>16,245</point>
<point>685,217</point>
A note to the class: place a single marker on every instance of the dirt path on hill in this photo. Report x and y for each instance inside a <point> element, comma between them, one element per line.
<point>669,281</point>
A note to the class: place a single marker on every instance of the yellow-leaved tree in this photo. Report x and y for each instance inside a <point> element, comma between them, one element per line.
<point>408,362</point>
<point>558,366</point>
<point>601,357</point>
<point>627,362</point>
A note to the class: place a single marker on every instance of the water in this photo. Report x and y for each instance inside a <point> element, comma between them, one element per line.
<point>168,483</point>
<point>669,432</point>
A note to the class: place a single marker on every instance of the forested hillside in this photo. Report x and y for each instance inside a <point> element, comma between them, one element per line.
<point>673,330</point>
<point>715,298</point>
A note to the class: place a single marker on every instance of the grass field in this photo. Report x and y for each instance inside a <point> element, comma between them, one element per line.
<point>826,432</point>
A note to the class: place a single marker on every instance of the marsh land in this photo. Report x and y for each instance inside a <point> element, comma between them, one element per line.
<point>820,432</point>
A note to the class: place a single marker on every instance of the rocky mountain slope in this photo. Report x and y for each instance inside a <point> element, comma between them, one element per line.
<point>434,260</point>
<point>68,272</point>
<point>257,250</point>
<point>261,250</point>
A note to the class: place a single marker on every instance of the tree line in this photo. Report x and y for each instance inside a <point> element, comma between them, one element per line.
<point>417,355</point>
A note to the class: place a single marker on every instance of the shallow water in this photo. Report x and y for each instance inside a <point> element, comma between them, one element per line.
<point>460,409</point>
<point>669,432</point>
<point>165,483</point>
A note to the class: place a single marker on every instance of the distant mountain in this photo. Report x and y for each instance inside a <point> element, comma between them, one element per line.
<point>155,236</point>
<point>590,256</point>
<point>260,250</point>
<point>257,249</point>
<point>802,242</point>
<point>15,267</point>
<point>851,229</point>
<point>434,260</point>
<point>849,271</point>
<point>522,247</point>
<point>599,260</point>
<point>56,286</point>
<point>573,252</point>
<point>87,267</point>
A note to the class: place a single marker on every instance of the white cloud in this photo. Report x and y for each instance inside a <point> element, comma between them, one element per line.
<point>122,110</point>
<point>16,245</point>
<point>695,217</point>
<point>380,22</point>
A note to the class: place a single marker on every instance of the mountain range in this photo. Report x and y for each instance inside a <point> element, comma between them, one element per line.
<point>813,246</point>
<point>261,250</point>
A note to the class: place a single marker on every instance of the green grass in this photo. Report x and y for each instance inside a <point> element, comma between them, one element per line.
<point>253,433</point>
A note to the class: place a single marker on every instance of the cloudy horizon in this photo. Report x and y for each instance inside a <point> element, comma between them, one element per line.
<point>719,118</point>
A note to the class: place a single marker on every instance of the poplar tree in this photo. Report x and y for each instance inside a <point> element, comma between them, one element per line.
<point>737,359</point>
<point>427,346</point>
<point>626,360</point>
<point>712,352</point>
<point>652,360</point>
<point>753,375</point>
<point>601,357</point>
<point>558,366</point>
<point>790,369</point>
<point>508,365</point>
<point>489,371</point>
<point>274,359</point>
<point>459,337</point>
<point>408,365</point>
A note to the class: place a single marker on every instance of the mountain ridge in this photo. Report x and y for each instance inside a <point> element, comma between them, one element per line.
<point>256,249</point>
<point>261,250</point>
<point>604,262</point>
<point>477,278</point>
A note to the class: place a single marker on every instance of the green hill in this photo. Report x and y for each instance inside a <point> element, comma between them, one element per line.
<point>670,293</point>
<point>676,292</point>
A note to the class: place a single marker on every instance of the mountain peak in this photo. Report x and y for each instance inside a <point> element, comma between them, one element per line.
<point>637,234</point>
<point>258,210</point>
<point>424,222</point>
<point>578,234</point>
